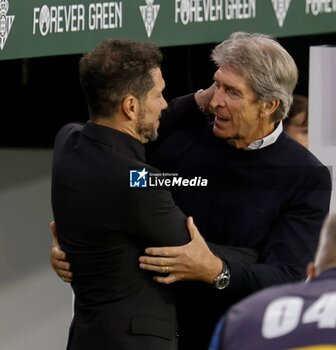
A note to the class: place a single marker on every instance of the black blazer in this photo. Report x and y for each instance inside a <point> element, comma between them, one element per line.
<point>104,226</point>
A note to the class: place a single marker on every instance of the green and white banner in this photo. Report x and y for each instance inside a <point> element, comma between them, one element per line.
<point>31,28</point>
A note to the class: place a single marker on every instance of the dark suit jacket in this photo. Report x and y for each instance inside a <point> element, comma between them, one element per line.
<point>104,226</point>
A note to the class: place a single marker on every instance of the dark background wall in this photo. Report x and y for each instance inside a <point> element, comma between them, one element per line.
<point>39,95</point>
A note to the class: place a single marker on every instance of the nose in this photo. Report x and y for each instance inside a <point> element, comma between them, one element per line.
<point>218,99</point>
<point>164,104</point>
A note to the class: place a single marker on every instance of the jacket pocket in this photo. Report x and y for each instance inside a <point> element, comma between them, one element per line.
<point>152,326</point>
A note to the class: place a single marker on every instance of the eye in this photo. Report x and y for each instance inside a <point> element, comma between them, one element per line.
<point>231,91</point>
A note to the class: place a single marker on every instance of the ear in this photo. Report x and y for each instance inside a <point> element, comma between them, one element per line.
<point>130,106</point>
<point>311,271</point>
<point>268,108</point>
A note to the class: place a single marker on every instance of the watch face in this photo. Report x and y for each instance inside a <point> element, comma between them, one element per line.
<point>222,281</point>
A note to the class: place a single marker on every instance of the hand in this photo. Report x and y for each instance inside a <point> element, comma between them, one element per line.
<point>58,257</point>
<point>193,261</point>
<point>203,98</point>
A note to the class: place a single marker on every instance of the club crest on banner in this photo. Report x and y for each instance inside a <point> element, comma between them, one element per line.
<point>5,22</point>
<point>149,14</point>
<point>281,9</point>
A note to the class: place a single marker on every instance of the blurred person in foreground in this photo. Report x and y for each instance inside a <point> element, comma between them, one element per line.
<point>297,315</point>
<point>265,192</point>
<point>296,123</point>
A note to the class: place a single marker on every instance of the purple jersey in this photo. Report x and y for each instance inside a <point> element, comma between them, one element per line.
<point>282,317</point>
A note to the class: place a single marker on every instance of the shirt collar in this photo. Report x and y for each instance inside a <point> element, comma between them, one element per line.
<point>123,142</point>
<point>267,140</point>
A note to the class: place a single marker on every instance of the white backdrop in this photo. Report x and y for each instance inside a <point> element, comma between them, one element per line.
<point>322,108</point>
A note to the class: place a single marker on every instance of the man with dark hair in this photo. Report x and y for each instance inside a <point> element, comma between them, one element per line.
<point>103,225</point>
<point>296,123</point>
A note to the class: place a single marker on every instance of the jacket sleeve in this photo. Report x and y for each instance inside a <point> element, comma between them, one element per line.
<point>155,218</point>
<point>292,242</point>
<point>226,253</point>
<point>182,112</point>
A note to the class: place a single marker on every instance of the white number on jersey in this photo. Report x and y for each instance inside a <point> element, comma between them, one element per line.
<point>283,315</point>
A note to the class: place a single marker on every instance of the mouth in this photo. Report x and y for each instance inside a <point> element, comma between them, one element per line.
<point>222,119</point>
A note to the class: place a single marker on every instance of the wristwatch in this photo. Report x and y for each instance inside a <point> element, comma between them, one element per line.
<point>223,279</point>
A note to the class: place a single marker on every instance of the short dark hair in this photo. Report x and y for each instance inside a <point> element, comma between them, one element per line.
<point>300,104</point>
<point>115,68</point>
